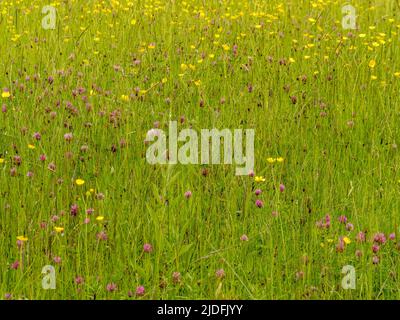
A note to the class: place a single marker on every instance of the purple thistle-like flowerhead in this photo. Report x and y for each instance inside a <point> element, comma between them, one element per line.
<point>349,227</point>
<point>68,137</point>
<point>375,248</point>
<point>244,238</point>
<point>147,247</point>
<point>74,210</point>
<point>342,219</point>
<point>361,237</point>
<point>111,287</point>
<point>282,187</point>
<point>140,291</point>
<point>37,136</point>
<point>188,194</point>
<point>375,259</point>
<point>380,238</point>
<point>392,236</point>
<point>259,203</point>
<point>257,192</point>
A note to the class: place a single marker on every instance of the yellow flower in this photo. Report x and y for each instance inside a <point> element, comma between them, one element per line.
<point>124,98</point>
<point>346,240</point>
<point>291,60</point>
<point>329,240</point>
<point>397,74</point>
<point>211,56</point>
<point>372,64</point>
<point>374,77</point>
<point>80,182</point>
<point>2,160</point>
<point>100,218</point>
<point>31,146</point>
<point>22,238</point>
<point>151,46</point>
<point>280,159</point>
<point>259,179</point>
<point>225,47</point>
<point>58,229</point>
<point>164,80</point>
<point>133,22</point>
<point>271,160</point>
<point>5,94</point>
<point>197,83</point>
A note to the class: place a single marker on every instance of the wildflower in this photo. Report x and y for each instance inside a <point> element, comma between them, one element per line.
<point>37,136</point>
<point>5,94</point>
<point>111,287</point>
<point>346,240</point>
<point>375,259</point>
<point>57,260</point>
<point>392,236</point>
<point>358,253</point>
<point>147,247</point>
<point>15,265</point>
<point>51,166</point>
<point>259,179</point>
<point>74,210</point>
<point>271,160</point>
<point>225,47</point>
<point>349,227</point>
<point>220,273</point>
<point>2,160</point>
<point>100,218</point>
<point>22,238</point>
<point>140,291</point>
<point>360,237</point>
<point>102,236</point>
<point>259,203</point>
<point>80,182</point>
<point>68,137</point>
<point>372,64</point>
<point>58,229</point>
<point>176,277</point>
<point>281,187</point>
<point>258,192</point>
<point>42,157</point>
<point>31,146</point>
<point>244,238</point>
<point>380,238</point>
<point>375,248</point>
<point>280,159</point>
<point>342,219</point>
<point>188,194</point>
<point>79,280</point>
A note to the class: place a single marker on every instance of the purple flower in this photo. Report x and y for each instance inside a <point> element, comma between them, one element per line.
<point>349,227</point>
<point>15,265</point>
<point>68,137</point>
<point>57,260</point>
<point>111,287</point>
<point>342,219</point>
<point>375,248</point>
<point>281,187</point>
<point>259,203</point>
<point>79,280</point>
<point>375,259</point>
<point>361,237</point>
<point>147,247</point>
<point>258,192</point>
<point>220,273</point>
<point>392,236</point>
<point>74,210</point>
<point>188,194</point>
<point>176,277</point>
<point>37,136</point>
<point>380,238</point>
<point>140,291</point>
<point>244,238</point>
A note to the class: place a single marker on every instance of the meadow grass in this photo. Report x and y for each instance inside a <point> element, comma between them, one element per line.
<point>78,100</point>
